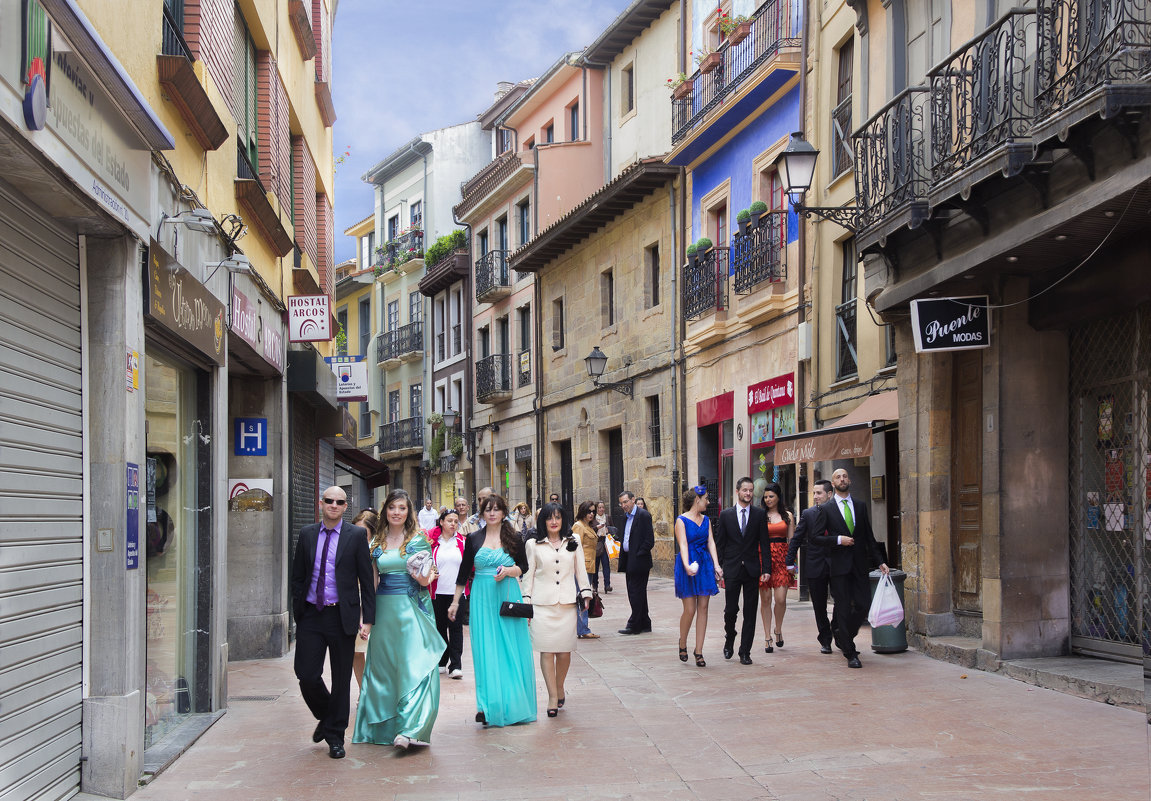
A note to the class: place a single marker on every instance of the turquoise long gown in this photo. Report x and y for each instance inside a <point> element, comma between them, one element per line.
<point>501,646</point>
<point>401,691</point>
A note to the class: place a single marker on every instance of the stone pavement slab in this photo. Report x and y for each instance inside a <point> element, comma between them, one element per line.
<point>639,724</point>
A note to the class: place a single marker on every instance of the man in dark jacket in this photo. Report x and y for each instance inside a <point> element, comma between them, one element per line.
<point>815,570</point>
<point>638,536</point>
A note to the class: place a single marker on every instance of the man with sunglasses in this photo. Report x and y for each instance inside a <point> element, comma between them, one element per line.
<point>332,584</point>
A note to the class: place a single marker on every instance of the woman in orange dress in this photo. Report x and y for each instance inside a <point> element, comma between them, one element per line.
<point>780,527</point>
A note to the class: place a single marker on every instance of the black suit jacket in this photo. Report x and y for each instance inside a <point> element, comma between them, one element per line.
<point>638,556</point>
<point>815,557</point>
<point>842,559</point>
<point>748,549</point>
<point>355,579</point>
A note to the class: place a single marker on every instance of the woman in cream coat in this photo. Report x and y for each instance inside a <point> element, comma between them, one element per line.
<point>556,568</point>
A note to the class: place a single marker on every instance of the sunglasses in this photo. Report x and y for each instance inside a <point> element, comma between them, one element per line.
<point>335,502</point>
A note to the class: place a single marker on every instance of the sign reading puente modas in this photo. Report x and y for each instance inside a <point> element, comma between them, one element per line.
<point>941,324</point>
<point>309,318</point>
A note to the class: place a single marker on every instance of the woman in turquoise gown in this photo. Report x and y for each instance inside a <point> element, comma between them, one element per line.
<point>501,646</point>
<point>400,697</point>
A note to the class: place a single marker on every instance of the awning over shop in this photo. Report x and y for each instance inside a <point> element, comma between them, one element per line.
<point>850,438</point>
<point>358,463</point>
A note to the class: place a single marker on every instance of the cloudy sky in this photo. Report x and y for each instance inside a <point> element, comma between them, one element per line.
<point>402,68</point>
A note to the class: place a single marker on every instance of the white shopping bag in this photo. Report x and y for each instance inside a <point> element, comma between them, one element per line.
<point>886,610</point>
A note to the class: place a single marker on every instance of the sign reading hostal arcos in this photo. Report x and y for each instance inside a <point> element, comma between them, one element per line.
<point>309,318</point>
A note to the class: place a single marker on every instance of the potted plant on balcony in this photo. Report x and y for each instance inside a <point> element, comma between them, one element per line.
<point>758,212</point>
<point>703,245</point>
<point>735,29</point>
<point>744,220</point>
<point>708,59</point>
<point>679,85</point>
<point>692,255</point>
<point>456,446</point>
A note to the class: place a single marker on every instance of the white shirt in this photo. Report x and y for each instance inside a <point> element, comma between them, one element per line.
<point>742,513</point>
<point>448,559</point>
<point>428,518</point>
<point>627,529</point>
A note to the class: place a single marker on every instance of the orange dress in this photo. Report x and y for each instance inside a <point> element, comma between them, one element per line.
<point>777,537</point>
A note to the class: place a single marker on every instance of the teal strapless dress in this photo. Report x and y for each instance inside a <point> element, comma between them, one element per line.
<point>401,692</point>
<point>501,646</point>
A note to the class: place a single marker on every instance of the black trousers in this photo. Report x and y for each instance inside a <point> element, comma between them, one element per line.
<point>451,630</point>
<point>852,594</point>
<point>748,587</point>
<point>320,632</point>
<point>640,620</point>
<point>817,588</point>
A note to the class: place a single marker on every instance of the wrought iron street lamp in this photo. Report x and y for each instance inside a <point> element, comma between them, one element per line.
<point>796,168</point>
<point>596,361</point>
<point>450,417</point>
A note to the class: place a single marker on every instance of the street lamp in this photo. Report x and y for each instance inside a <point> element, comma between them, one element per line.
<point>450,417</point>
<point>596,361</point>
<point>796,168</point>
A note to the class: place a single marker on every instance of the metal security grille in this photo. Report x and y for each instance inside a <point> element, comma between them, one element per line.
<point>1109,480</point>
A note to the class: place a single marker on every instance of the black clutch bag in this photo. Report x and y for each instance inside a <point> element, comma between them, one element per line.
<point>513,609</point>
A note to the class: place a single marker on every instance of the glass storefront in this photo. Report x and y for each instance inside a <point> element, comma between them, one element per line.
<point>177,542</point>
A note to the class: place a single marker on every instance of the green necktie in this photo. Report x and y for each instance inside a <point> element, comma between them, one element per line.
<point>847,516</point>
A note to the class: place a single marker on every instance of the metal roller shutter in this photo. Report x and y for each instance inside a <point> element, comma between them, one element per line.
<point>41,505</point>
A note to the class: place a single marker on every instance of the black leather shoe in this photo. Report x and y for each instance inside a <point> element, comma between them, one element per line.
<point>854,662</point>
<point>628,631</point>
<point>744,659</point>
<point>480,718</point>
<point>336,751</point>
<point>825,649</point>
<point>317,735</point>
<point>727,652</point>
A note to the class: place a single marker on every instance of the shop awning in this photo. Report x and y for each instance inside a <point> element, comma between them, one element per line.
<point>358,463</point>
<point>850,438</point>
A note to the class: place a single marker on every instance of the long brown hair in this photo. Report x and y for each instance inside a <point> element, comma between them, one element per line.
<point>411,526</point>
<point>510,541</point>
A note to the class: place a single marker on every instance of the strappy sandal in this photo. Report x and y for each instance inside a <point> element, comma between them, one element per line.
<point>682,654</point>
<point>699,661</point>
<point>767,649</point>
<point>779,638</point>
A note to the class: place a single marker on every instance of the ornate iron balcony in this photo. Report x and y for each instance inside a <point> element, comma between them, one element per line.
<point>403,341</point>
<point>402,435</point>
<point>760,254</point>
<point>494,378</point>
<point>524,362</point>
<point>891,158</point>
<point>493,279</point>
<point>774,26</point>
<point>981,97</point>
<point>705,284</point>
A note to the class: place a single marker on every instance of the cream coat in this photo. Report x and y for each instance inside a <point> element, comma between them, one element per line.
<point>551,577</point>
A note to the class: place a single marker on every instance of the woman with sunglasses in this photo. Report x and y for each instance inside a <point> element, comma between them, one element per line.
<point>697,570</point>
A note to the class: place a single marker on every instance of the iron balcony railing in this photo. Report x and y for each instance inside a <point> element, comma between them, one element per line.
<point>524,364</point>
<point>405,247</point>
<point>774,26</point>
<point>1083,45</point>
<point>244,168</point>
<point>846,359</point>
<point>493,377</point>
<point>982,96</point>
<point>402,434</point>
<point>705,284</point>
<point>760,255</point>
<point>172,38</point>
<point>891,157</point>
<point>492,273</point>
<point>400,341</point>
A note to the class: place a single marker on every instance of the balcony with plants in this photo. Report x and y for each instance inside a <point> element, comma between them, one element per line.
<point>757,57</point>
<point>397,256</point>
<point>758,252</point>
<point>447,262</point>
<point>705,280</point>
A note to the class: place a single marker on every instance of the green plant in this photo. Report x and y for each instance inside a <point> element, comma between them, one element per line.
<point>704,244</point>
<point>439,432</point>
<point>445,246</point>
<point>728,25</point>
<point>704,51</point>
<point>743,216</point>
<point>758,207</point>
<point>341,340</point>
<point>456,445</point>
<point>691,249</point>
<point>676,80</point>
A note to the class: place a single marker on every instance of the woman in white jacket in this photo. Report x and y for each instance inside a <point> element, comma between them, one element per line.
<point>556,569</point>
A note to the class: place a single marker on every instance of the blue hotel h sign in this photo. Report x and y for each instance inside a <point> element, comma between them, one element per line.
<point>251,436</point>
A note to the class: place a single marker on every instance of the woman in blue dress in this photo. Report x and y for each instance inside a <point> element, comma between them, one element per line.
<point>400,697</point>
<point>697,570</point>
<point>494,559</point>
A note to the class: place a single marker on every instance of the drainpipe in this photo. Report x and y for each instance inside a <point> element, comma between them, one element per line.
<point>427,367</point>
<point>801,381</point>
<point>680,260</point>
<point>537,402</point>
<point>675,352</point>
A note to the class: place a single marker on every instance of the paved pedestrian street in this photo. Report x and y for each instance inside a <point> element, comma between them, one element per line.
<point>639,724</point>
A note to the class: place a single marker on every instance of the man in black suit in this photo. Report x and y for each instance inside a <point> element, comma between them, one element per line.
<point>815,561</point>
<point>332,583</point>
<point>638,535</point>
<point>745,556</point>
<point>852,553</point>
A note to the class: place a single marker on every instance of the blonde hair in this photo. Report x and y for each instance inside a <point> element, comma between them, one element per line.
<point>411,527</point>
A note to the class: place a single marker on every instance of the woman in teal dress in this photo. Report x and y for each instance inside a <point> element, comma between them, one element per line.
<point>501,646</point>
<point>400,697</point>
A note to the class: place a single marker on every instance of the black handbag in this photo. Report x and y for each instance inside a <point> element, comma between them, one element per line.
<point>513,609</point>
<point>595,605</point>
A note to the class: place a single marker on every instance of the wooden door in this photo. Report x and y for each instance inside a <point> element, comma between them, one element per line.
<point>967,482</point>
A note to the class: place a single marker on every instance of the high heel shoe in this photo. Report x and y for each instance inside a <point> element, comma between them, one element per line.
<point>553,712</point>
<point>699,660</point>
<point>767,649</point>
<point>682,654</point>
<point>480,718</point>
<point>560,703</point>
<point>779,638</point>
